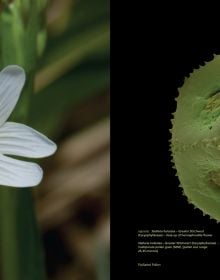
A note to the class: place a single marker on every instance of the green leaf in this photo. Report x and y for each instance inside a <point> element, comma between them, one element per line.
<point>50,105</point>
<point>71,53</point>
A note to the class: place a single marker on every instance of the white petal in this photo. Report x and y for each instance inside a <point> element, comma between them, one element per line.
<point>17,173</point>
<point>12,79</point>
<point>21,140</point>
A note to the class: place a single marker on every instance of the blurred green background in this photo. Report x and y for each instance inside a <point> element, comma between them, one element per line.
<point>71,106</point>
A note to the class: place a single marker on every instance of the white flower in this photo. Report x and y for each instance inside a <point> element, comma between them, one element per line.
<point>18,139</point>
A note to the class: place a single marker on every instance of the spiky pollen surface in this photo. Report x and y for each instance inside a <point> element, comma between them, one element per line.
<point>195,142</point>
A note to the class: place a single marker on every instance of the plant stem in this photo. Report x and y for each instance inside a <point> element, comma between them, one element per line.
<point>21,252</point>
<point>20,245</point>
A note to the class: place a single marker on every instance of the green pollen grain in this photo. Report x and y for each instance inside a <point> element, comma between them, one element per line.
<point>195,142</point>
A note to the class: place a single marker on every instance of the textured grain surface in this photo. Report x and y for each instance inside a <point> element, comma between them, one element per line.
<point>195,142</point>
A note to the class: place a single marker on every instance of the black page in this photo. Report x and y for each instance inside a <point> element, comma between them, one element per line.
<point>145,193</point>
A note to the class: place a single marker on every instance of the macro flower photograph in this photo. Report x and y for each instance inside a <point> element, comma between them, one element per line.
<point>54,140</point>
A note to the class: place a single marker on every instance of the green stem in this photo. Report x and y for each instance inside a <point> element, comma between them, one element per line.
<point>20,245</point>
<point>21,251</point>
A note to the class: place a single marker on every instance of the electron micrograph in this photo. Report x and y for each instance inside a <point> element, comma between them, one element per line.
<point>195,142</point>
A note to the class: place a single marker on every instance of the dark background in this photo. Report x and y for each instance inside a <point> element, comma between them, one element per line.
<point>145,194</point>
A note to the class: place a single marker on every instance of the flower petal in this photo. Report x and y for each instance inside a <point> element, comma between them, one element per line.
<point>12,79</point>
<point>17,173</point>
<point>21,140</point>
